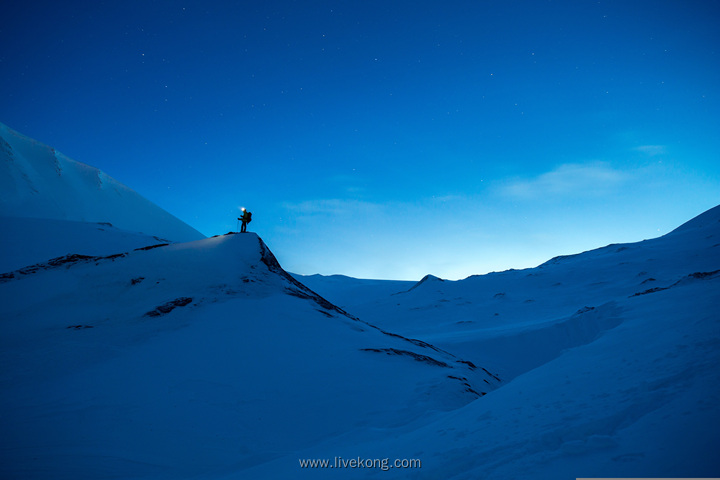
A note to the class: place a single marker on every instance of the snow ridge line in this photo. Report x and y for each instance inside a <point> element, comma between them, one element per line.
<point>297,289</point>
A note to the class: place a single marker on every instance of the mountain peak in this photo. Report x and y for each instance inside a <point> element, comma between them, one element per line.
<point>426,279</point>
<point>36,181</point>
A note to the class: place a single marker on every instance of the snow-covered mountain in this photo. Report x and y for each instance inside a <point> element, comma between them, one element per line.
<point>611,360</point>
<point>38,182</point>
<point>180,359</point>
<point>124,355</point>
<point>560,286</point>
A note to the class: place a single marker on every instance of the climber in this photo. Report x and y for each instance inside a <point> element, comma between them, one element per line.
<point>245,219</point>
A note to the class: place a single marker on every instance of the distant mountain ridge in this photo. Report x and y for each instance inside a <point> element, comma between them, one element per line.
<point>36,181</point>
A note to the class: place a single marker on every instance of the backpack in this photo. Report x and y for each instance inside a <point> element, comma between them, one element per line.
<point>249,217</point>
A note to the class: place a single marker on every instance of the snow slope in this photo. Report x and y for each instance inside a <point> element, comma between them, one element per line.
<point>610,361</point>
<point>26,241</point>
<point>38,182</point>
<point>196,358</point>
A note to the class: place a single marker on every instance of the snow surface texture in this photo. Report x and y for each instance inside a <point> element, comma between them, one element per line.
<point>128,357</point>
<point>38,182</point>
<point>194,357</point>
<point>610,360</point>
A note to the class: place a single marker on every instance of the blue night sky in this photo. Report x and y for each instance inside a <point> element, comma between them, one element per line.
<point>385,139</point>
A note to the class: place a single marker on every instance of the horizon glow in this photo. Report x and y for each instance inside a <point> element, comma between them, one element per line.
<point>385,140</point>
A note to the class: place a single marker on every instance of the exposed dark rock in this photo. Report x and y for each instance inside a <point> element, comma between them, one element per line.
<point>469,389</point>
<point>65,260</point>
<point>493,376</point>
<point>468,363</point>
<point>112,257</point>
<point>651,290</point>
<point>584,310</point>
<point>169,306</point>
<point>73,258</point>
<point>704,275</point>
<point>415,356</point>
<point>150,247</point>
<point>55,263</point>
<point>696,276</point>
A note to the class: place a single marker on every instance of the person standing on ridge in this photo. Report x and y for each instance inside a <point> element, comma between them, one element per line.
<point>245,219</point>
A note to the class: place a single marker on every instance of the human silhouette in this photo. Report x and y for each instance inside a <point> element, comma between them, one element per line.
<point>245,219</point>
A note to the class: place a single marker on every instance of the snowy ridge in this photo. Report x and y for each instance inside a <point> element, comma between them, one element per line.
<point>213,333</point>
<point>610,361</point>
<point>38,182</point>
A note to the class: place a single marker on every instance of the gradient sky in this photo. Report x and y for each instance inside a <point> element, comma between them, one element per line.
<point>384,139</point>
